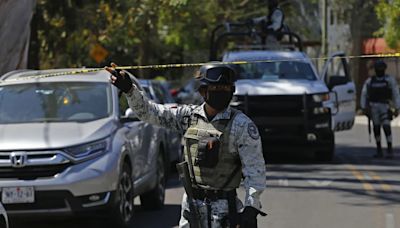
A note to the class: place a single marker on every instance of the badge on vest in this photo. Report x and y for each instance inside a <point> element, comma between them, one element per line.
<point>252,130</point>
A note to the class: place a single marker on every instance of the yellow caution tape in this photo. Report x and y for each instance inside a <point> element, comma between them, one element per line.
<point>183,65</point>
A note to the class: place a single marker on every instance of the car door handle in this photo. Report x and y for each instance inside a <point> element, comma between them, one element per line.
<point>350,91</point>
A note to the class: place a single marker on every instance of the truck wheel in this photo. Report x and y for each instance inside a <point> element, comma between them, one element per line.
<point>328,152</point>
<point>123,209</point>
<point>154,199</point>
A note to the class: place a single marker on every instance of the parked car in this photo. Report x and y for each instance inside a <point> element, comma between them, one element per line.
<point>161,95</point>
<point>67,146</point>
<point>280,89</point>
<point>188,94</point>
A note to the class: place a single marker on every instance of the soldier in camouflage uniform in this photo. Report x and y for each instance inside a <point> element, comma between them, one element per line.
<point>219,143</point>
<point>379,93</point>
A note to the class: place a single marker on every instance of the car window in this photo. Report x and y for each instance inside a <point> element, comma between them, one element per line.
<point>277,70</point>
<point>336,68</point>
<point>123,105</point>
<point>158,93</point>
<point>54,102</point>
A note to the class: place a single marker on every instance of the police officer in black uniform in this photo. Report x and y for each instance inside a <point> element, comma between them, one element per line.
<point>379,97</point>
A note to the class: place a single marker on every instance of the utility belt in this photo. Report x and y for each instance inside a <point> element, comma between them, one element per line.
<point>213,195</point>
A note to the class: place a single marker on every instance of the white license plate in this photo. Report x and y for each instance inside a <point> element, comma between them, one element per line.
<point>17,195</point>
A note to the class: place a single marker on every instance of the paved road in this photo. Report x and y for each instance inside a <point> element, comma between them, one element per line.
<point>354,191</point>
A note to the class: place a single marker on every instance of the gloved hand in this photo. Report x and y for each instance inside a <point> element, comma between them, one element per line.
<point>396,113</point>
<point>249,217</point>
<point>119,78</point>
<point>365,112</point>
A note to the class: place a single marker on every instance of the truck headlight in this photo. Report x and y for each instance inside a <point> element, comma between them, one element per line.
<point>320,97</point>
<point>89,149</point>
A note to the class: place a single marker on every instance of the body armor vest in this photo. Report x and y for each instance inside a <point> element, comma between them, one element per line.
<point>379,90</point>
<point>212,165</point>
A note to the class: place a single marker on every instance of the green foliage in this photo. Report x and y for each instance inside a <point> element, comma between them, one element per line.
<point>143,31</point>
<point>389,15</point>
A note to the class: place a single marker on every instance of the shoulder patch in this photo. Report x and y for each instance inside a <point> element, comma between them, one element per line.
<point>253,131</point>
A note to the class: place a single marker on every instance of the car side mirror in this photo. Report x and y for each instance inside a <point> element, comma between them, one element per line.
<point>336,80</point>
<point>130,115</point>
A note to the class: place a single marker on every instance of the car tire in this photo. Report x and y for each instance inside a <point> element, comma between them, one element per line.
<point>122,212</point>
<point>327,154</point>
<point>154,199</point>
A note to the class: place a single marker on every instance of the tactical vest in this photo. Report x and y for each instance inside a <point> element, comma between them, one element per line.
<point>207,147</point>
<point>379,90</point>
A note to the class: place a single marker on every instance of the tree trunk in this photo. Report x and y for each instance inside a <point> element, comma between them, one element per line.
<point>15,17</point>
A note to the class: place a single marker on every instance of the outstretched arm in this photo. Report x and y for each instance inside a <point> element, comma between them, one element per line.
<point>144,108</point>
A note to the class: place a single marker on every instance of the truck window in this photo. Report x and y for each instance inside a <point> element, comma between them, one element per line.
<point>290,70</point>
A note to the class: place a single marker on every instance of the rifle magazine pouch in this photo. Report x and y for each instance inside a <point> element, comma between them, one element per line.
<point>208,151</point>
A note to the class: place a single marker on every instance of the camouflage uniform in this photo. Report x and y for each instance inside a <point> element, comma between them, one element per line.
<point>244,140</point>
<point>380,110</point>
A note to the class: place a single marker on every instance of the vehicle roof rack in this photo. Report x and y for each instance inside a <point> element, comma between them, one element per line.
<point>256,33</point>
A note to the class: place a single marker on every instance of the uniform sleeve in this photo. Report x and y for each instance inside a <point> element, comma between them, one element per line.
<point>395,92</point>
<point>364,95</point>
<point>253,164</point>
<point>158,114</point>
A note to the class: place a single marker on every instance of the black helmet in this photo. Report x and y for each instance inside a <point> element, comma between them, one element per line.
<point>216,73</point>
<point>380,64</point>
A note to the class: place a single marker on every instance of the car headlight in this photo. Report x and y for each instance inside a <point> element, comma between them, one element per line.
<point>320,97</point>
<point>89,149</point>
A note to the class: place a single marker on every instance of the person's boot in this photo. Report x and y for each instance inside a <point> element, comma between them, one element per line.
<point>389,151</point>
<point>379,153</point>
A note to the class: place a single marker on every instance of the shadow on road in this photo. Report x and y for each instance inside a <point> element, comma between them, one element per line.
<point>167,217</point>
<point>352,169</point>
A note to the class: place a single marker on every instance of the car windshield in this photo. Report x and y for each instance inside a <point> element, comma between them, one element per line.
<point>54,102</point>
<point>290,70</point>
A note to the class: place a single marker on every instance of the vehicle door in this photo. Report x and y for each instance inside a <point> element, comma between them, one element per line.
<point>139,138</point>
<point>133,139</point>
<point>173,137</point>
<point>342,91</point>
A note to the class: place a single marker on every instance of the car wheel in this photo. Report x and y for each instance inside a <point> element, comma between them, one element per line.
<point>154,199</point>
<point>328,153</point>
<point>124,207</point>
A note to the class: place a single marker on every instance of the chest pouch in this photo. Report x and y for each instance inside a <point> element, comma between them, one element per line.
<point>208,152</point>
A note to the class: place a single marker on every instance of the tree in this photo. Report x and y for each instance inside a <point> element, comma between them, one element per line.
<point>15,17</point>
<point>388,12</point>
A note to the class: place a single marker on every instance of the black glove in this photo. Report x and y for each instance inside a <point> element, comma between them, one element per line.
<point>123,81</point>
<point>365,112</point>
<point>249,217</point>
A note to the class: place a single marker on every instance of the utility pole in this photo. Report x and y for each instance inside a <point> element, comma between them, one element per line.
<point>324,36</point>
<point>324,31</point>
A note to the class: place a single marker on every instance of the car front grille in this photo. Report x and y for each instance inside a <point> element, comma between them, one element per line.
<point>32,172</point>
<point>35,164</point>
<point>273,106</point>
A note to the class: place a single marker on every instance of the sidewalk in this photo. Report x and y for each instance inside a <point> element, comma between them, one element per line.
<point>364,121</point>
